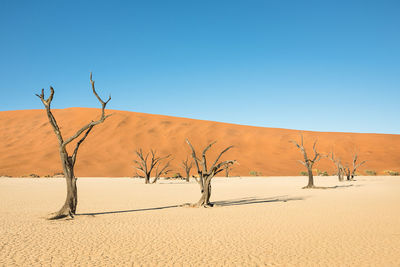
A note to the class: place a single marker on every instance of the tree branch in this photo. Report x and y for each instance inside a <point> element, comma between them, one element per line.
<point>78,144</point>
<point>219,156</point>
<point>204,161</point>
<point>92,123</point>
<point>52,120</point>
<point>195,159</point>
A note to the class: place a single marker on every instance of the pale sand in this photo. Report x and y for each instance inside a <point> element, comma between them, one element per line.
<point>262,221</point>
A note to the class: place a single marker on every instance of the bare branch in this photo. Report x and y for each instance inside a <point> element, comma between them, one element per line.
<point>92,123</point>
<point>359,164</point>
<point>307,161</point>
<point>219,156</point>
<point>220,167</point>
<point>302,162</point>
<point>295,143</point>
<point>46,102</point>
<point>103,104</point>
<point>142,162</point>
<point>204,161</point>
<point>195,159</point>
<point>162,171</point>
<point>52,120</point>
<point>78,144</point>
<point>317,156</point>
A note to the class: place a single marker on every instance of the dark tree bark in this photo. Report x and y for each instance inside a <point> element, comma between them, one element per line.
<point>187,167</point>
<point>206,174</point>
<point>347,172</point>
<point>68,161</point>
<point>161,171</point>
<point>308,163</point>
<point>338,165</point>
<point>355,166</point>
<point>146,167</point>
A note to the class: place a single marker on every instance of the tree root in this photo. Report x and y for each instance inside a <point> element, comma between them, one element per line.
<point>61,214</point>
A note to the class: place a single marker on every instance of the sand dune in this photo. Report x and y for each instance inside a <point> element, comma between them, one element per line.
<point>260,222</point>
<point>28,144</point>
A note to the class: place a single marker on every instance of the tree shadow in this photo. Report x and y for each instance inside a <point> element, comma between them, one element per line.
<point>224,203</point>
<point>254,200</point>
<point>330,187</point>
<point>125,211</point>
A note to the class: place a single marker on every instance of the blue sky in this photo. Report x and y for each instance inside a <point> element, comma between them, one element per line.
<point>310,65</point>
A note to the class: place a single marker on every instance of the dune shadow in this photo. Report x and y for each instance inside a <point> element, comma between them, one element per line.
<point>125,211</point>
<point>255,200</point>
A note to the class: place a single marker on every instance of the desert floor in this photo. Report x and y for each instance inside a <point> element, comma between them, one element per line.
<point>259,221</point>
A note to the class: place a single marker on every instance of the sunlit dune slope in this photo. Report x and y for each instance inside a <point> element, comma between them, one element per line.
<point>29,146</point>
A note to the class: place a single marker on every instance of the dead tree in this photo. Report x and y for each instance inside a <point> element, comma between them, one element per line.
<point>207,173</point>
<point>308,163</point>
<point>187,167</point>
<point>161,171</point>
<point>347,172</point>
<point>146,167</point>
<point>68,161</point>
<point>339,167</point>
<point>228,169</point>
<point>355,166</point>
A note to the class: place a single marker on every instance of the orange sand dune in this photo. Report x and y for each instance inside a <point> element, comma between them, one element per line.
<point>28,144</point>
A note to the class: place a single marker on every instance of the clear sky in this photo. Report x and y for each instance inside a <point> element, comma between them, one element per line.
<point>311,65</point>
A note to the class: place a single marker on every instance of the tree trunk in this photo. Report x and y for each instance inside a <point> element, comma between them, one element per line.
<point>187,176</point>
<point>146,179</point>
<point>340,175</point>
<point>204,201</point>
<point>71,201</point>
<point>208,195</point>
<point>310,179</point>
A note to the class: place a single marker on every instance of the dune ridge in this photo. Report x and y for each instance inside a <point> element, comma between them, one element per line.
<point>30,146</point>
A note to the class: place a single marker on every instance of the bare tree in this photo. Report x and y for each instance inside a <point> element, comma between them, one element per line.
<point>308,163</point>
<point>146,167</point>
<point>68,161</point>
<point>339,167</point>
<point>206,174</point>
<point>351,172</point>
<point>159,171</point>
<point>228,169</point>
<point>355,165</point>
<point>347,172</point>
<point>187,167</point>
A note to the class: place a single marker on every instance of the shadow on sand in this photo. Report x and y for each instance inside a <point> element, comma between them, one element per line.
<point>224,203</point>
<point>254,200</point>
<point>126,211</point>
<point>331,187</point>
